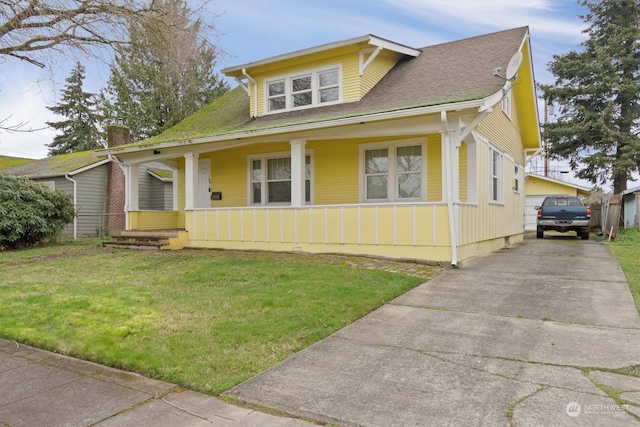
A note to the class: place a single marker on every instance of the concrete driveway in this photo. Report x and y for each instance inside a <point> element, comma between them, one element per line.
<point>532,335</point>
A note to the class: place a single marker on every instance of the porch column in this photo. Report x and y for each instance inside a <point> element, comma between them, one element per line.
<point>190,180</point>
<point>298,172</point>
<point>132,196</point>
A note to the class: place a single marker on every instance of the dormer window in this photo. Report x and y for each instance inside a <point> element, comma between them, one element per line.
<point>311,88</point>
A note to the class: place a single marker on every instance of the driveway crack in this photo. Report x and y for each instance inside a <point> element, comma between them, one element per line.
<point>512,407</point>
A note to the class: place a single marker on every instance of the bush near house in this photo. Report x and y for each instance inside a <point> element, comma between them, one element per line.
<point>31,213</point>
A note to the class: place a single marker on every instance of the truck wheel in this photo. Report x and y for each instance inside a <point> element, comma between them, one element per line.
<point>584,235</point>
<point>540,233</point>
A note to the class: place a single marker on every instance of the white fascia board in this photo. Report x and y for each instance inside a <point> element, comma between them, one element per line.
<point>74,172</point>
<point>371,39</point>
<point>91,166</point>
<point>480,104</point>
<point>393,46</point>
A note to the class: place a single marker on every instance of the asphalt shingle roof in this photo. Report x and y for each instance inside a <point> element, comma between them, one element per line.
<point>451,72</point>
<point>56,165</point>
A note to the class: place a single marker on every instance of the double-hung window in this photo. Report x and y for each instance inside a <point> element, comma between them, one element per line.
<point>495,175</point>
<point>310,88</point>
<point>270,179</point>
<point>393,171</point>
<point>516,178</point>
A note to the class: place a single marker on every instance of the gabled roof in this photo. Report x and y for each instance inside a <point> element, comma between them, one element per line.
<point>631,191</point>
<point>452,75</point>
<point>370,39</point>
<point>578,187</point>
<point>7,162</point>
<point>64,164</point>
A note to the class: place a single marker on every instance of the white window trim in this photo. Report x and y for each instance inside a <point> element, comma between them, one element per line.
<point>314,88</point>
<point>263,176</point>
<point>392,146</point>
<point>51,185</point>
<point>500,176</point>
<point>517,185</point>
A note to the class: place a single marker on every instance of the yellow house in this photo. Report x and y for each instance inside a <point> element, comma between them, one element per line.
<point>537,187</point>
<point>362,146</point>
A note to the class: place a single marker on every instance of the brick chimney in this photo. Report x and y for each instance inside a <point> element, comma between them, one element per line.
<point>115,195</point>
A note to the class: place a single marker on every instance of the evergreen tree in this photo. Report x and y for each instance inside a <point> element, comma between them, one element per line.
<point>165,74</point>
<point>598,91</point>
<point>80,129</point>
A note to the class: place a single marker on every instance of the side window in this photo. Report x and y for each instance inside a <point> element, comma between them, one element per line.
<point>495,175</point>
<point>516,179</point>
<point>506,104</point>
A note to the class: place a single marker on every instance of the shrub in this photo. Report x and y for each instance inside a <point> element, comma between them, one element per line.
<point>30,212</point>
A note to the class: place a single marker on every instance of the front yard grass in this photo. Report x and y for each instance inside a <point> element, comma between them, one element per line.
<point>626,249</point>
<point>205,320</point>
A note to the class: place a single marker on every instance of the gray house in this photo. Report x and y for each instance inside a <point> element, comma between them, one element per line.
<point>96,185</point>
<point>631,200</point>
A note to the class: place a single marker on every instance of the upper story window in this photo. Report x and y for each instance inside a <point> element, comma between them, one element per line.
<point>303,90</point>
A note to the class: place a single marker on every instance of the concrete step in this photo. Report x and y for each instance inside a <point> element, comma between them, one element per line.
<point>131,246</point>
<point>141,239</point>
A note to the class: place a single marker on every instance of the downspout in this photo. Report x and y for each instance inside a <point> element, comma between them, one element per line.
<point>255,91</point>
<point>75,215</point>
<point>453,223</point>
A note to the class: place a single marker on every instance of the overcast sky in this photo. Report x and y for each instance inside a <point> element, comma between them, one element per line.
<point>250,30</point>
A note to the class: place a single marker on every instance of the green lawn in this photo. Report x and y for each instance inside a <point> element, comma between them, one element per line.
<point>626,248</point>
<point>206,320</point>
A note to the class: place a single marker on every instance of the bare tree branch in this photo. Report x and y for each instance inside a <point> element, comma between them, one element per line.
<point>17,127</point>
<point>27,27</point>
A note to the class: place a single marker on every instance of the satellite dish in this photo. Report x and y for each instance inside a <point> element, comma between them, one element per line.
<point>514,65</point>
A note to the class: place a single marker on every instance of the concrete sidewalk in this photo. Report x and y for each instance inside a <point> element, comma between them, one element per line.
<point>40,388</point>
<point>534,335</point>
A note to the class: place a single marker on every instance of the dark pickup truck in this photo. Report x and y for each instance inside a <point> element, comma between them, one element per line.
<point>563,213</point>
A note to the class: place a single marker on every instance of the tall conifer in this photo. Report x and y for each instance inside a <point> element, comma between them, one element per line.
<point>597,90</point>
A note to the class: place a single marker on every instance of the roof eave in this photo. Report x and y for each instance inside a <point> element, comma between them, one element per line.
<point>481,104</point>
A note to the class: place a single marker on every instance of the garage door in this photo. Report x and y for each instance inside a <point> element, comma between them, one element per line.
<point>530,213</point>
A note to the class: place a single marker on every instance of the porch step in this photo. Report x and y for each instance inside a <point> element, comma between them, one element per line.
<point>147,240</point>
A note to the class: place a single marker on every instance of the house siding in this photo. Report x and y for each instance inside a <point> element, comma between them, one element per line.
<point>90,193</point>
<point>503,132</point>
<point>463,172</point>
<point>377,70</point>
<point>154,194</point>
<point>537,187</point>
<point>434,168</point>
<point>335,170</point>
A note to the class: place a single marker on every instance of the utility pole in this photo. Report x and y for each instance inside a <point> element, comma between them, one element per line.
<point>545,144</point>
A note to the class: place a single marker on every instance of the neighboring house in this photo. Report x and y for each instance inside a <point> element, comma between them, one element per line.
<point>538,187</point>
<point>362,146</point>
<point>631,200</point>
<point>7,162</point>
<point>86,177</point>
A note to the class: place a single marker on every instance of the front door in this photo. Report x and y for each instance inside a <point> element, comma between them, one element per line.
<point>204,184</point>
